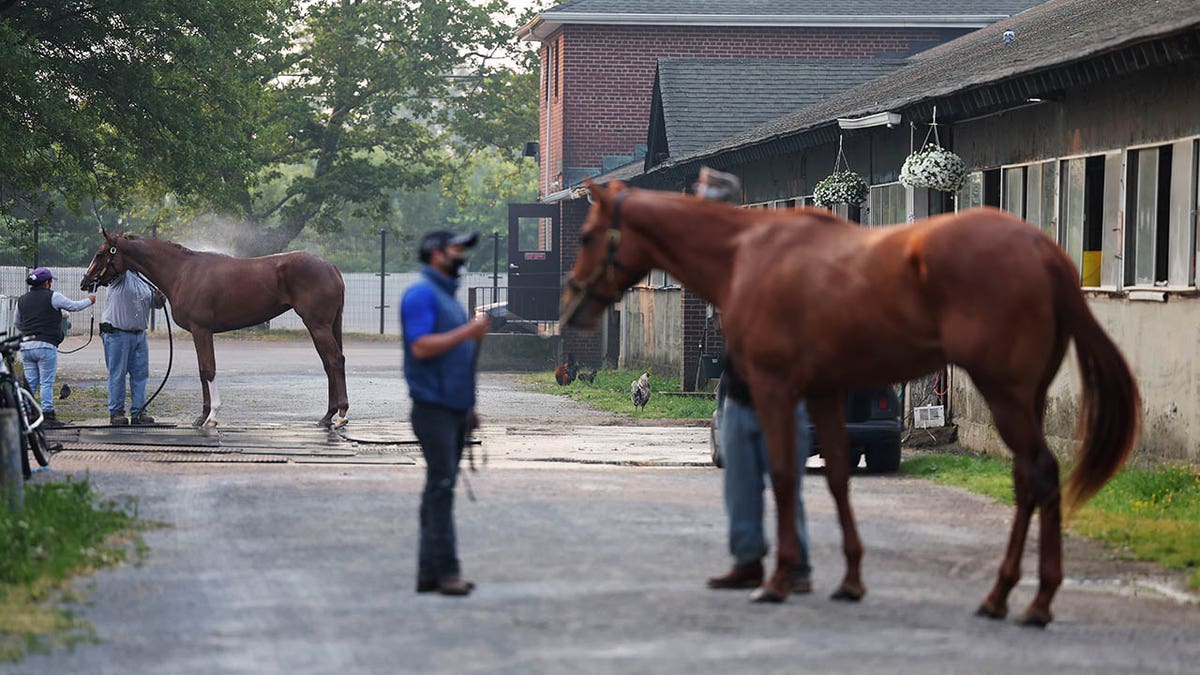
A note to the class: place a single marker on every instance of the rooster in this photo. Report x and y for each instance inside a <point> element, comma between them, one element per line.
<point>565,373</point>
<point>639,392</point>
<point>590,378</point>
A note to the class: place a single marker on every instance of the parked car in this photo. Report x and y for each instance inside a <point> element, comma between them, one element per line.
<point>872,423</point>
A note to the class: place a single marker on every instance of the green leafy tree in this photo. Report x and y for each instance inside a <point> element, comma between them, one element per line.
<point>356,104</point>
<point>110,99</point>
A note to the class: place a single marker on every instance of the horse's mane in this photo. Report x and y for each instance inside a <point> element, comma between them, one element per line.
<point>134,237</point>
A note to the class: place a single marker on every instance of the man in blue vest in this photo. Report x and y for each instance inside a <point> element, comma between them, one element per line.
<point>439,366</point>
<point>39,318</point>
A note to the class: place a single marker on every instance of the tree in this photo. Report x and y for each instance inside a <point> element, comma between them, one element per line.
<point>356,104</point>
<point>111,99</point>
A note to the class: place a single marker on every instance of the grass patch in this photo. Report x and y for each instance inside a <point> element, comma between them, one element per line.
<point>1147,514</point>
<point>610,392</point>
<point>64,530</point>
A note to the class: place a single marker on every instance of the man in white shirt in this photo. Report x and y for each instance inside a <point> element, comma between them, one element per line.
<point>126,351</point>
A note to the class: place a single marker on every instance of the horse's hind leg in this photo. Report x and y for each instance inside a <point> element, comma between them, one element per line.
<point>1035,481</point>
<point>335,372</point>
<point>829,416</point>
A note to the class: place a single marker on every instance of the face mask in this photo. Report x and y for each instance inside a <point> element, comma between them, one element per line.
<point>456,266</point>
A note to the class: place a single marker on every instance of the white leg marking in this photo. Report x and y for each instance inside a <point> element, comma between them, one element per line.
<point>215,399</point>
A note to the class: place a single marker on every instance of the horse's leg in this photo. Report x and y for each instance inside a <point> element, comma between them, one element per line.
<point>1035,482</point>
<point>778,421</point>
<point>207,361</point>
<point>335,371</point>
<point>342,396</point>
<point>829,416</point>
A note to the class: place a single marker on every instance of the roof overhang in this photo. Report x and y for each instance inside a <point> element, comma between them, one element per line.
<point>546,23</point>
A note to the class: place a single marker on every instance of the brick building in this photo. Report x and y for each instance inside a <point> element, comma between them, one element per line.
<point>599,60</point>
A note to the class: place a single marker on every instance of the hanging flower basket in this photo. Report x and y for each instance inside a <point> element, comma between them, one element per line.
<point>934,167</point>
<point>840,187</point>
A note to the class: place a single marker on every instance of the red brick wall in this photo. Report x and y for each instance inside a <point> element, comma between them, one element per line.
<point>607,74</point>
<point>585,345</point>
<point>695,320</point>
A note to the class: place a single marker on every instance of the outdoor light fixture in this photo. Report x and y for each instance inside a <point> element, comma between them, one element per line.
<point>888,119</point>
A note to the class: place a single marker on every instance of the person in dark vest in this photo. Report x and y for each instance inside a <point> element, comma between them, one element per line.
<point>439,366</point>
<point>39,317</point>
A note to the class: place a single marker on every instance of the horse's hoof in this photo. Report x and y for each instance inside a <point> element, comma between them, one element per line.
<point>340,422</point>
<point>199,421</point>
<point>1035,619</point>
<point>845,593</point>
<point>210,424</point>
<point>988,612</point>
<point>766,594</point>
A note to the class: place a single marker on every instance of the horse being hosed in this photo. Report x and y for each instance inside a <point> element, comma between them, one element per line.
<point>213,293</point>
<point>812,304</point>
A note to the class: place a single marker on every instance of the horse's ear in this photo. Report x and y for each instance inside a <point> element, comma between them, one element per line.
<point>597,191</point>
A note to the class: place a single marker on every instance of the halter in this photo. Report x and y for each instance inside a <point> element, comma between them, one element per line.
<point>108,265</point>
<point>610,264</point>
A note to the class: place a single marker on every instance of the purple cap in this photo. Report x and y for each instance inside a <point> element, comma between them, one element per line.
<point>41,274</point>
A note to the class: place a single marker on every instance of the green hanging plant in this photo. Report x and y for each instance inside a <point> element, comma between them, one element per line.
<point>934,167</point>
<point>843,186</point>
<point>840,187</point>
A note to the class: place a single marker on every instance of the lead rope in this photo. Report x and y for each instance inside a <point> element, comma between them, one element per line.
<point>170,342</point>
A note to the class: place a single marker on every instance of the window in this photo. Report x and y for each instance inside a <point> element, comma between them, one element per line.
<point>534,234</point>
<point>1081,229</point>
<point>1029,192</point>
<point>888,205</point>
<point>1160,215</point>
<point>982,188</point>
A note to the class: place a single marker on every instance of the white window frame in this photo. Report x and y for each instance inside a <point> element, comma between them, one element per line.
<point>1183,240</point>
<point>904,194</point>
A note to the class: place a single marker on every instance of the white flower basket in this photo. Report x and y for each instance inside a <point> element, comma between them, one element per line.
<point>840,187</point>
<point>934,167</point>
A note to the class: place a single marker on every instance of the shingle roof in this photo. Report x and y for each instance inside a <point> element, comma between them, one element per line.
<point>896,13</point>
<point>1056,33</point>
<point>795,7</point>
<point>708,100</point>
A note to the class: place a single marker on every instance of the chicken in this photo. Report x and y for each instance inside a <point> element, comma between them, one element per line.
<point>639,391</point>
<point>565,373</point>
<point>590,378</point>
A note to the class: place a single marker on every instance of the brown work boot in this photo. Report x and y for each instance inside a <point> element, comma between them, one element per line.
<point>51,421</point>
<point>455,586</point>
<point>141,418</point>
<point>801,585</point>
<point>119,420</point>
<point>749,575</point>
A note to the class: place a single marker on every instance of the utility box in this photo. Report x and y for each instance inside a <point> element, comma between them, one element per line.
<point>928,416</point>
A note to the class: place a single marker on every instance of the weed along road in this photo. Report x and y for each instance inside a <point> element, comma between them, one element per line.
<point>590,543</point>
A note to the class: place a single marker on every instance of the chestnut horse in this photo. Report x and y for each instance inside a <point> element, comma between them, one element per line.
<point>812,304</point>
<point>213,293</point>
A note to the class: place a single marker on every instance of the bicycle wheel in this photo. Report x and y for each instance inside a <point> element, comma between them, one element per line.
<point>35,439</point>
<point>10,399</point>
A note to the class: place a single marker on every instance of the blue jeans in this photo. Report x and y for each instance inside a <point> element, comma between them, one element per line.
<point>126,354</point>
<point>746,462</point>
<point>41,367</point>
<point>441,432</point>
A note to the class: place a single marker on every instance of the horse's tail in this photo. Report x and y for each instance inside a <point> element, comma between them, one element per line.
<point>1111,409</point>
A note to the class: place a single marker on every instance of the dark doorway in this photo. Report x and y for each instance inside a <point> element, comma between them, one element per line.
<point>534,268</point>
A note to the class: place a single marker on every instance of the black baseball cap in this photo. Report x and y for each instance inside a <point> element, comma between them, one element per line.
<point>440,239</point>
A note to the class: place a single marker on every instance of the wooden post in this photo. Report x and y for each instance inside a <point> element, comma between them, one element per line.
<point>12,482</point>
